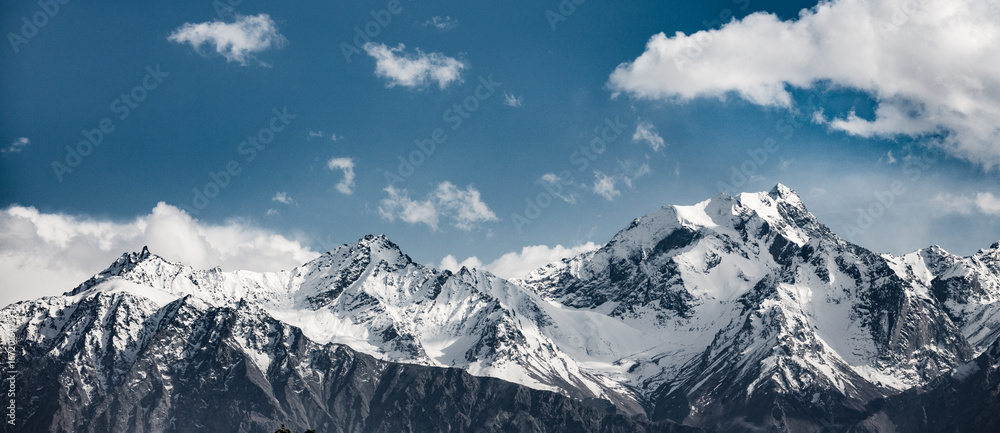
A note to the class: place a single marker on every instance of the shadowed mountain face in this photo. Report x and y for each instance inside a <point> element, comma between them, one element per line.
<point>114,361</point>
<point>968,400</point>
<point>739,313</point>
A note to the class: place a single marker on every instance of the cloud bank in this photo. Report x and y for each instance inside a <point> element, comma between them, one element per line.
<point>929,64</point>
<point>517,265</point>
<point>50,253</point>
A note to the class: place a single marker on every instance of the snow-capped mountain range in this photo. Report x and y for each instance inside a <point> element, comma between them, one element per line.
<point>733,314</point>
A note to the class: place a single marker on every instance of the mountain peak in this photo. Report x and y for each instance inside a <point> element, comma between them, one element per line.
<point>782,192</point>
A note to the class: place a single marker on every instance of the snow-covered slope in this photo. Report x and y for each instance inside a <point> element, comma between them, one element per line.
<point>759,303</point>
<point>733,312</point>
<point>374,298</point>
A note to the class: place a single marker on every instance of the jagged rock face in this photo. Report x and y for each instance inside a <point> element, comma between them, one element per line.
<point>374,298</point>
<point>968,400</point>
<point>792,317</point>
<point>735,314</point>
<point>115,361</point>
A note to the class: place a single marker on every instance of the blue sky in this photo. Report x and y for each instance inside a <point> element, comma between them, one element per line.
<point>844,115</point>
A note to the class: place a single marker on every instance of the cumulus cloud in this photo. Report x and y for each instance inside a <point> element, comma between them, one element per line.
<point>283,198</point>
<point>929,64</point>
<point>983,202</point>
<point>440,23</point>
<point>400,205</point>
<point>464,208</point>
<point>414,70</point>
<point>645,131</point>
<point>237,41</point>
<point>346,185</point>
<point>519,264</point>
<point>512,101</point>
<point>49,253</point>
<point>16,146</point>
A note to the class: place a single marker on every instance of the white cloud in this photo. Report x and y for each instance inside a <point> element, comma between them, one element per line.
<point>512,101</point>
<point>346,185</point>
<point>45,254</point>
<point>929,64</point>
<point>554,185</point>
<point>335,137</point>
<point>518,265</point>
<point>628,172</point>
<point>236,41</point>
<point>450,263</point>
<point>400,205</point>
<point>631,172</point>
<point>464,208</point>
<point>414,70</point>
<point>16,146</point>
<point>443,24</point>
<point>604,186</point>
<point>313,134</point>
<point>282,197</point>
<point>271,212</point>
<point>645,131</point>
<point>983,202</point>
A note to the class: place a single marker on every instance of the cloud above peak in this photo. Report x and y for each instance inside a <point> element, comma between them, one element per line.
<point>50,253</point>
<point>346,184</point>
<point>929,64</point>
<point>519,264</point>
<point>237,41</point>
<point>414,70</point>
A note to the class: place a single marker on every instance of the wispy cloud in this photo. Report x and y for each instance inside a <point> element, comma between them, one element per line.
<point>464,208</point>
<point>604,186</point>
<point>607,185</point>
<point>282,197</point>
<point>236,41</point>
<point>346,185</point>
<point>926,64</point>
<point>512,101</point>
<point>983,202</point>
<point>554,185</point>
<point>16,146</point>
<point>414,70</point>
<point>645,131</point>
<point>440,23</point>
